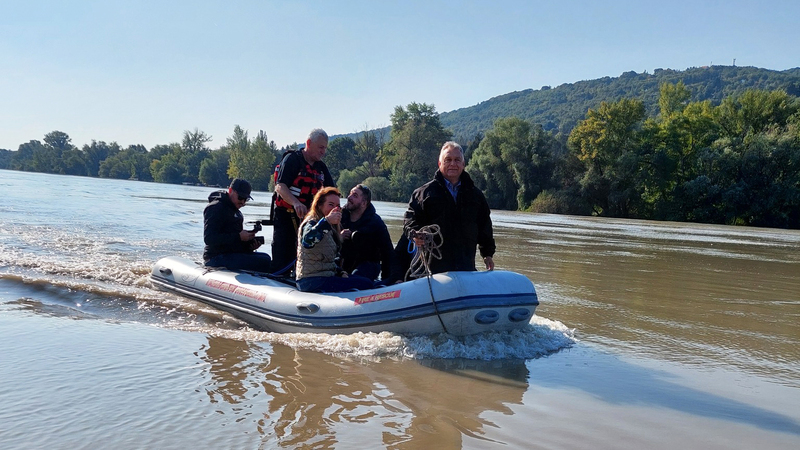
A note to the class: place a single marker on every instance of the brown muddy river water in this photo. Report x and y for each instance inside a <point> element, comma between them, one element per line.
<point>649,335</point>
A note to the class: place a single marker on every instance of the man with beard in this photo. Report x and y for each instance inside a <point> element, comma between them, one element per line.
<point>366,245</point>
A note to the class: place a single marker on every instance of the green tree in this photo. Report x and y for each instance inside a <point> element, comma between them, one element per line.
<point>363,162</point>
<point>214,169</point>
<point>348,179</point>
<point>97,152</point>
<point>513,163</point>
<point>413,149</point>
<point>753,112</point>
<point>5,158</point>
<point>59,141</point>
<point>25,158</point>
<point>341,154</point>
<point>166,166</point>
<point>252,161</point>
<point>133,163</point>
<point>73,162</point>
<point>379,187</point>
<point>608,142</point>
<point>194,151</point>
<point>752,168</point>
<point>671,156</point>
<point>47,157</point>
<point>368,149</point>
<point>673,98</point>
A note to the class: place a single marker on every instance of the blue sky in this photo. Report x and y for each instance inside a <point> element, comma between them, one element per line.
<point>143,72</point>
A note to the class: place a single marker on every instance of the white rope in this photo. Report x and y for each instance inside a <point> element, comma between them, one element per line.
<point>432,241</point>
<point>421,263</point>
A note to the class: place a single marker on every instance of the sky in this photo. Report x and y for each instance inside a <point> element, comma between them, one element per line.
<point>144,72</point>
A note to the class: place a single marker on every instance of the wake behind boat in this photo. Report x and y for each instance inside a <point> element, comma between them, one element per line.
<point>459,303</point>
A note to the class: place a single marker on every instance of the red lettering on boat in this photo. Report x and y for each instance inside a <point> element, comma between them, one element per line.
<point>377,297</point>
<point>234,289</point>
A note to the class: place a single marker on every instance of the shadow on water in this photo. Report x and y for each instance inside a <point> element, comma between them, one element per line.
<point>608,378</point>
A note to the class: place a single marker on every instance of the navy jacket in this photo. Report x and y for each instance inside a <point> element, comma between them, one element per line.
<point>370,241</point>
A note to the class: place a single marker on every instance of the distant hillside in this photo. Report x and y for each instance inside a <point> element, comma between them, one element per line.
<point>562,107</point>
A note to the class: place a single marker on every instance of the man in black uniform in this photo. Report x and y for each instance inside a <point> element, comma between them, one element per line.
<point>228,244</point>
<point>298,176</point>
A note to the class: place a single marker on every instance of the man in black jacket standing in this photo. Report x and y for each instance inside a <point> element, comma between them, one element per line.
<point>366,245</point>
<point>228,244</point>
<point>452,201</point>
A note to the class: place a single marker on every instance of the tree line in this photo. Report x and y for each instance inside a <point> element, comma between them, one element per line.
<point>737,162</point>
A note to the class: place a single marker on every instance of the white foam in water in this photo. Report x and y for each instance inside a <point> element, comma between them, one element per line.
<point>540,338</point>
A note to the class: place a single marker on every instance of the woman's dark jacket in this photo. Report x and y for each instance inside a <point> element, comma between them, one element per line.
<point>222,223</point>
<point>370,242</point>
<point>464,223</point>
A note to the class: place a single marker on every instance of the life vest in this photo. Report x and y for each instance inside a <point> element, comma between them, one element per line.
<point>305,184</point>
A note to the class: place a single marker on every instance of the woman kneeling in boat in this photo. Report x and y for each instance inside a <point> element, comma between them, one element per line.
<point>318,246</point>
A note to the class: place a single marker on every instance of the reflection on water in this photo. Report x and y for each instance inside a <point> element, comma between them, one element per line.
<point>307,400</point>
<point>298,398</point>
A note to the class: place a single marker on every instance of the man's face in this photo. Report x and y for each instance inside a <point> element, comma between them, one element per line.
<point>451,164</point>
<point>237,200</point>
<point>355,200</point>
<point>315,150</point>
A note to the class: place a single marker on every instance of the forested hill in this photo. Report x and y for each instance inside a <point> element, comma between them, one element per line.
<point>560,108</point>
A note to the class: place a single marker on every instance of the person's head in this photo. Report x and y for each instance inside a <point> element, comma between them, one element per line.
<point>359,198</point>
<point>239,192</point>
<point>316,145</point>
<point>325,200</point>
<point>451,161</point>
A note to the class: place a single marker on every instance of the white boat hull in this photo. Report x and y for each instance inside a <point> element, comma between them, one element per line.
<point>465,302</point>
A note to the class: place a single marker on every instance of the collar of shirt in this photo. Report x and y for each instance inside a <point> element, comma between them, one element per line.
<point>453,188</point>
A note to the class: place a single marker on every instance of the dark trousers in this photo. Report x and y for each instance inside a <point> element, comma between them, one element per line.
<point>367,269</point>
<point>284,238</point>
<point>254,262</point>
<point>333,284</point>
<point>401,261</point>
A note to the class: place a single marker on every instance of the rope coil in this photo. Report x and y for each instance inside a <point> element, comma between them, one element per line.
<point>432,241</point>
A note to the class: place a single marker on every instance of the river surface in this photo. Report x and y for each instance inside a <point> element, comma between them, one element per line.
<point>649,335</point>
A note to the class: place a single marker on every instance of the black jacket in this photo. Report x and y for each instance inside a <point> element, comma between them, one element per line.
<point>370,241</point>
<point>464,223</point>
<point>222,223</point>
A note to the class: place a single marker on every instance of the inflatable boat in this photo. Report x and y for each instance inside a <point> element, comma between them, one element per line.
<point>458,303</point>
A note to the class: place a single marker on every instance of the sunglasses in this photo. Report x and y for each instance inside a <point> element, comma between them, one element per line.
<point>242,197</point>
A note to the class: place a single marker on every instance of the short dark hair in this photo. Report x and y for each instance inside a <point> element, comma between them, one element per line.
<point>365,191</point>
